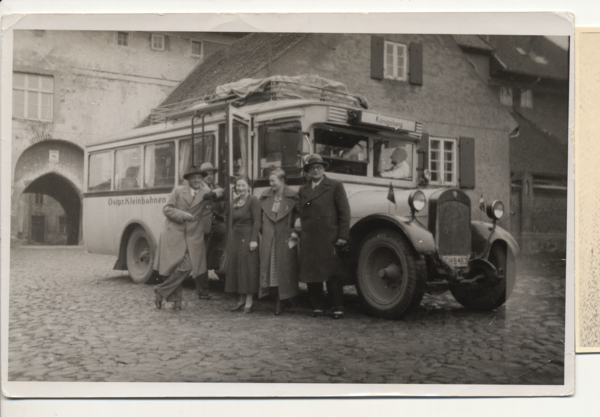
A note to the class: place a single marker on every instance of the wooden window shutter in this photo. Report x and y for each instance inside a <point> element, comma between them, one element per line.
<point>377,57</point>
<point>167,43</point>
<point>415,59</point>
<point>423,153</point>
<point>466,147</point>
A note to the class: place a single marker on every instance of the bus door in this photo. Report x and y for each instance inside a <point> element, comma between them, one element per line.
<point>235,162</point>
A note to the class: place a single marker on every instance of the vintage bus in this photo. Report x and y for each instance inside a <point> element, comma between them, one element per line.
<point>407,237</point>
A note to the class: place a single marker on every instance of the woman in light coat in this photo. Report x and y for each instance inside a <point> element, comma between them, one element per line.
<point>279,249</point>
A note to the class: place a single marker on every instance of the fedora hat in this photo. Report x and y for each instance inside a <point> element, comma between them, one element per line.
<point>193,170</point>
<point>207,167</point>
<point>313,159</point>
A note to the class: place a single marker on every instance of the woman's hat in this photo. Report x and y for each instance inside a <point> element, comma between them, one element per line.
<point>193,170</point>
<point>314,159</point>
<point>399,155</point>
<point>207,167</point>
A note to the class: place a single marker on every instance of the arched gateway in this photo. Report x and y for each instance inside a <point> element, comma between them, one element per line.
<point>46,204</point>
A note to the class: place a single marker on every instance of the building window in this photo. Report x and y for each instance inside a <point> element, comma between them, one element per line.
<point>123,38</point>
<point>158,42</point>
<point>395,61</point>
<point>527,99</point>
<point>62,225</point>
<point>506,96</point>
<point>442,161</point>
<point>197,49</point>
<point>39,199</point>
<point>32,96</point>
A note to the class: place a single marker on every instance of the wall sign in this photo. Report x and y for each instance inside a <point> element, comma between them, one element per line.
<point>54,156</point>
<point>376,119</point>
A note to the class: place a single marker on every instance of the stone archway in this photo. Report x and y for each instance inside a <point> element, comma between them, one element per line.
<point>48,180</point>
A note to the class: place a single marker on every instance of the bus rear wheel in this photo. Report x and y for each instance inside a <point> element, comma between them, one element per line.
<point>140,256</point>
<point>389,279</point>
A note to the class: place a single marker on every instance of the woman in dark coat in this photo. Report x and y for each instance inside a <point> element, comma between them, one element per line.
<point>242,252</point>
<point>279,244</point>
<point>325,223</point>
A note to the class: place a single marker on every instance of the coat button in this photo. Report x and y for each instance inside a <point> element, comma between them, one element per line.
<point>243,240</point>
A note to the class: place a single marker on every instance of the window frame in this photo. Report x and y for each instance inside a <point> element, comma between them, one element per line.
<point>442,172</point>
<point>40,91</point>
<point>128,38</point>
<point>145,174</point>
<point>368,163</point>
<point>192,41</point>
<point>261,146</point>
<point>504,98</point>
<point>140,177</point>
<point>110,152</point>
<point>527,99</point>
<point>60,225</point>
<point>156,36</point>
<point>396,45</point>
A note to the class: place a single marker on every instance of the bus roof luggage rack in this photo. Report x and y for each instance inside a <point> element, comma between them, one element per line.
<point>250,91</point>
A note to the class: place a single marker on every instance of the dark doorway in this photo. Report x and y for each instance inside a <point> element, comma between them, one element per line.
<point>38,227</point>
<point>61,190</point>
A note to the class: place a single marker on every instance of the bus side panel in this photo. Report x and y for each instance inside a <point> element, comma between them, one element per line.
<point>105,218</point>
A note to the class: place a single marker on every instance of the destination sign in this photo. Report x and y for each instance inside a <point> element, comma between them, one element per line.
<point>386,121</point>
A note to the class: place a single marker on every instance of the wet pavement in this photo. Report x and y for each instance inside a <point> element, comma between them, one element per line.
<point>72,318</point>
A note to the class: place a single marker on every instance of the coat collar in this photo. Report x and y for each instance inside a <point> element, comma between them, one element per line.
<point>312,193</point>
<point>288,201</point>
<point>187,195</point>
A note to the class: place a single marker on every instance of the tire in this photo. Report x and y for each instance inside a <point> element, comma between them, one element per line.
<point>383,297</point>
<point>140,256</point>
<point>492,296</point>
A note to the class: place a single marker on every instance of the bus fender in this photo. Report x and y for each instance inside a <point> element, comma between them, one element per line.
<point>419,236</point>
<point>121,264</point>
<point>484,234</point>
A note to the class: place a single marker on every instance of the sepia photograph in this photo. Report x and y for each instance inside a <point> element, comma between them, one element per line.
<point>328,208</point>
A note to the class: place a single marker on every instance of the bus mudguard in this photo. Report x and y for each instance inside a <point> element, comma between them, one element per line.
<point>121,263</point>
<point>419,236</point>
<point>483,235</point>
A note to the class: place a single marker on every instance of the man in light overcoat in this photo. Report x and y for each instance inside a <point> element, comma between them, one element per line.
<point>325,224</point>
<point>181,248</point>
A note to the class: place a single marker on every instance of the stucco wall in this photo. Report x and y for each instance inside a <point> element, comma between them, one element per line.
<point>452,102</point>
<point>100,88</point>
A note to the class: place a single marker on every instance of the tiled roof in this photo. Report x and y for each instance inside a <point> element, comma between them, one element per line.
<point>242,59</point>
<point>472,41</point>
<point>531,55</point>
<point>536,151</point>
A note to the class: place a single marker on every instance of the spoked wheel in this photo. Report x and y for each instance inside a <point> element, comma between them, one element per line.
<point>140,256</point>
<point>389,274</point>
<point>481,297</point>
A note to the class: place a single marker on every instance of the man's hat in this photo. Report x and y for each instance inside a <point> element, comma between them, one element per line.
<point>207,167</point>
<point>313,159</point>
<point>193,170</point>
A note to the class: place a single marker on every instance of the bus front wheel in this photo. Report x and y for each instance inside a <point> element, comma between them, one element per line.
<point>390,275</point>
<point>140,256</point>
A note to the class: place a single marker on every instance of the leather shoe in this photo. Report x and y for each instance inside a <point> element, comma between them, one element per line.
<point>177,305</point>
<point>247,310</point>
<point>204,297</point>
<point>158,300</point>
<point>338,315</point>
<point>317,313</point>
<point>278,307</point>
<point>238,307</point>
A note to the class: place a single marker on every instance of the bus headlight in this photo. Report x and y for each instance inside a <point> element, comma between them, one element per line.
<point>427,175</point>
<point>495,210</point>
<point>416,200</point>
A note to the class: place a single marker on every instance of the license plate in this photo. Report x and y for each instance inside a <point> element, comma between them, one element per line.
<point>458,261</point>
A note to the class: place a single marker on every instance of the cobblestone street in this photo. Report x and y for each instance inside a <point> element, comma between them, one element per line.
<point>72,318</point>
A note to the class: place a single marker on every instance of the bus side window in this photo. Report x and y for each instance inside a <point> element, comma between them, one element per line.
<point>159,169</point>
<point>240,149</point>
<point>127,169</point>
<point>280,146</point>
<point>100,171</point>
<point>202,152</point>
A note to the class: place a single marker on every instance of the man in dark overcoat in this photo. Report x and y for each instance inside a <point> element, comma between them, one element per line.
<point>325,224</point>
<point>181,248</point>
<point>213,216</point>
